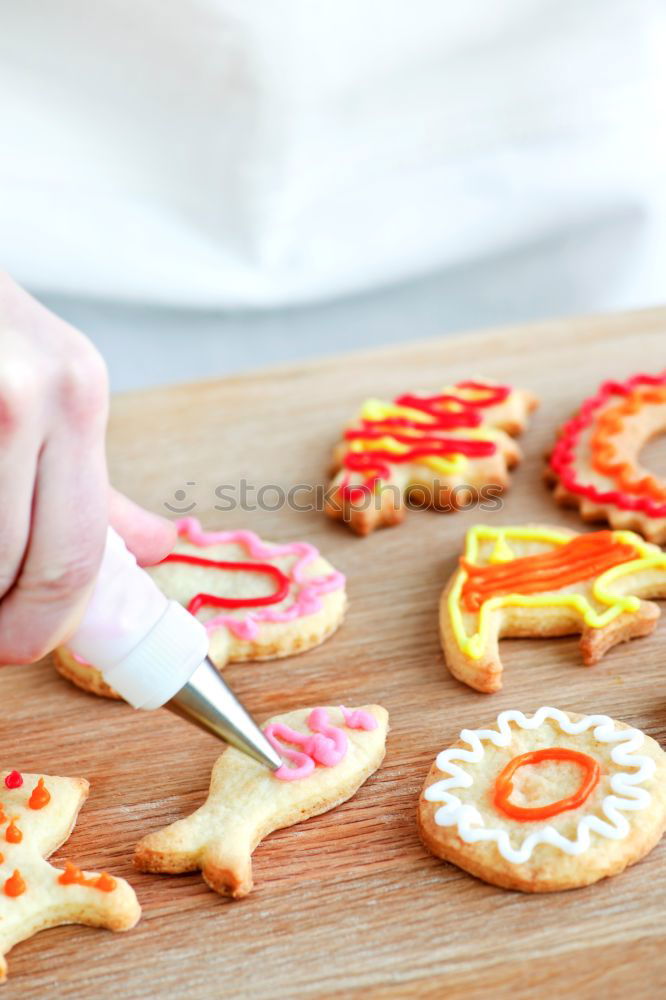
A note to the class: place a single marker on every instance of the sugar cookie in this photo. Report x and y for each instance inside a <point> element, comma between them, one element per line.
<point>537,581</point>
<point>258,600</point>
<point>545,802</point>
<point>37,815</point>
<point>332,750</point>
<point>595,464</point>
<point>440,451</point>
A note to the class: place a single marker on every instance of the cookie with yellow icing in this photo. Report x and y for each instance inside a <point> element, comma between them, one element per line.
<point>37,815</point>
<point>441,451</point>
<point>538,581</point>
<point>258,600</point>
<point>331,751</point>
<point>545,802</point>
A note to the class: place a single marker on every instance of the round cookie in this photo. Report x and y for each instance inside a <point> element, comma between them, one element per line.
<point>258,600</point>
<point>591,802</point>
<point>595,464</point>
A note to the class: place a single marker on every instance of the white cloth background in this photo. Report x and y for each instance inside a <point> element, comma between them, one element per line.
<point>263,152</point>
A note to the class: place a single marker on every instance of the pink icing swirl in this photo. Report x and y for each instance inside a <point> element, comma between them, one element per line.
<point>326,746</point>
<point>358,718</point>
<point>306,592</point>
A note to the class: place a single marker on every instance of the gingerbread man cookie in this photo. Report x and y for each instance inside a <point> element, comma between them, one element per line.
<point>332,751</point>
<point>37,815</point>
<point>538,581</point>
<point>258,600</point>
<point>440,451</point>
<point>545,802</point>
<point>595,463</point>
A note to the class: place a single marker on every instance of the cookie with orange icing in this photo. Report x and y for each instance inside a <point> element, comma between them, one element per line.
<point>544,802</point>
<point>331,752</point>
<point>37,815</point>
<point>258,600</point>
<point>538,581</point>
<point>441,451</point>
<point>595,464</point>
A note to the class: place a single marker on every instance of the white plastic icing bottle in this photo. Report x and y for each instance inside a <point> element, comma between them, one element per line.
<point>153,652</point>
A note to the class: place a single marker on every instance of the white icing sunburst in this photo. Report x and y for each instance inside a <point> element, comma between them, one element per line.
<point>471,826</point>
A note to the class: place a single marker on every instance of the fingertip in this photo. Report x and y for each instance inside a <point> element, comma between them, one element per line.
<point>148,536</point>
<point>156,542</point>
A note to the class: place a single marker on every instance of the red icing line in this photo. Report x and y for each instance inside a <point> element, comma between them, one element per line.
<point>201,600</point>
<point>376,462</point>
<point>562,458</point>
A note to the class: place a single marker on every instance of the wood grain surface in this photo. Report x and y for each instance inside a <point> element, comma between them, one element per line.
<point>348,903</point>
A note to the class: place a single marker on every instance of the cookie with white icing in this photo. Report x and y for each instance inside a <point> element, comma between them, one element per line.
<point>258,600</point>
<point>595,464</point>
<point>331,751</point>
<point>37,815</point>
<point>540,580</point>
<point>545,802</point>
<point>439,451</point>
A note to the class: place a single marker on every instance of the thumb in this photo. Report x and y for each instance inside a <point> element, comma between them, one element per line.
<point>148,536</point>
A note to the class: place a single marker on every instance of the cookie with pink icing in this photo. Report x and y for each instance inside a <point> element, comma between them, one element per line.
<point>258,600</point>
<point>329,753</point>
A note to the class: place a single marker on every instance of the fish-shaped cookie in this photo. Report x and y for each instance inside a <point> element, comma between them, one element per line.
<point>332,751</point>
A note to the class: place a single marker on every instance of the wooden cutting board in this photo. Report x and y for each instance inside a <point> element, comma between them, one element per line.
<point>348,902</point>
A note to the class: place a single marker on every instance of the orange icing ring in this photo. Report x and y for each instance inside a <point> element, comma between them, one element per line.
<point>504,785</point>
<point>605,456</point>
<point>582,558</point>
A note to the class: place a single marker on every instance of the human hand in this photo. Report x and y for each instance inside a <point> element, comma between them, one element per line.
<point>55,497</point>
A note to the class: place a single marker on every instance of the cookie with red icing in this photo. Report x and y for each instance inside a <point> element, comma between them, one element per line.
<point>330,752</point>
<point>258,600</point>
<point>441,451</point>
<point>37,815</point>
<point>595,464</point>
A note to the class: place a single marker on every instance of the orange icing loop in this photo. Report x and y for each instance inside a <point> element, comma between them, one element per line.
<point>605,458</point>
<point>15,886</point>
<point>12,834</point>
<point>504,785</point>
<point>582,558</point>
<point>40,796</point>
<point>74,876</point>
